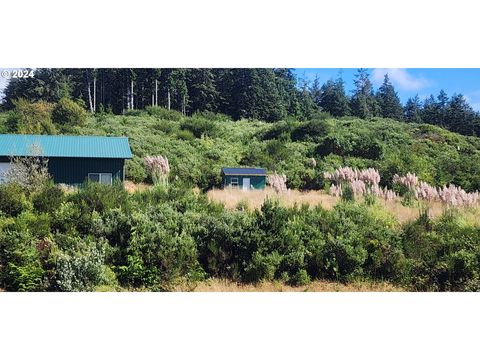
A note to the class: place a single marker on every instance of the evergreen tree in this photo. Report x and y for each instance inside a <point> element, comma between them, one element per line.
<point>333,98</point>
<point>430,111</point>
<point>202,90</point>
<point>441,108</point>
<point>308,108</point>
<point>316,91</point>
<point>363,102</point>
<point>388,100</point>
<point>413,110</point>
<point>461,117</point>
<point>287,90</point>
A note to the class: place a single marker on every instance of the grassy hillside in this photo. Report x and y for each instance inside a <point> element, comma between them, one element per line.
<point>199,146</point>
<point>172,237</point>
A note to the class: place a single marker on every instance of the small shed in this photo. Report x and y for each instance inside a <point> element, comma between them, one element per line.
<point>244,178</point>
<point>71,159</point>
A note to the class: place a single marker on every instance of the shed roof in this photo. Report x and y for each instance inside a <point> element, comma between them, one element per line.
<point>244,171</point>
<point>65,146</point>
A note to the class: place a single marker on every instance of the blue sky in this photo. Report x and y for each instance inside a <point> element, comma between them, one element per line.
<point>408,82</point>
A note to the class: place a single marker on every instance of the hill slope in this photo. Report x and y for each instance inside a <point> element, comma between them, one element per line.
<point>199,146</point>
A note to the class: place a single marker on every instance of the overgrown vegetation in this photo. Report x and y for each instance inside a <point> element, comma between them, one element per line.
<point>102,238</point>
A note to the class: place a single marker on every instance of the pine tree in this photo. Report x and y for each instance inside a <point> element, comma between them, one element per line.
<point>388,100</point>
<point>316,91</point>
<point>202,90</point>
<point>413,110</point>
<point>287,90</point>
<point>333,98</point>
<point>430,111</point>
<point>442,108</point>
<point>363,102</point>
<point>461,117</point>
<point>308,108</point>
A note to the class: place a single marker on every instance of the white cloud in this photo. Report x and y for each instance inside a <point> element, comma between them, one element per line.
<point>401,78</point>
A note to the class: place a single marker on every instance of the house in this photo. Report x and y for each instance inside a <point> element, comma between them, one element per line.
<point>244,178</point>
<point>71,159</point>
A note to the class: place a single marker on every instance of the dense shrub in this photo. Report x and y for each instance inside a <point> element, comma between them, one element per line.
<point>20,263</point>
<point>135,170</point>
<point>31,118</point>
<point>162,113</point>
<point>159,252</point>
<point>48,199</point>
<point>199,127</point>
<point>12,199</point>
<point>79,265</point>
<point>69,113</point>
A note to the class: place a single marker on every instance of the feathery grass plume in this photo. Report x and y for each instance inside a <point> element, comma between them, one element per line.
<point>362,182</point>
<point>277,182</point>
<point>336,190</point>
<point>159,168</point>
<point>455,196</point>
<point>424,191</point>
<point>410,180</point>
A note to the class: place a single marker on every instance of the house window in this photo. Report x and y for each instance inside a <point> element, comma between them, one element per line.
<point>234,182</point>
<point>103,178</point>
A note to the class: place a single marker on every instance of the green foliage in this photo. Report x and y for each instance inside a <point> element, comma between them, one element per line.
<point>135,170</point>
<point>79,264</point>
<point>12,199</point>
<point>347,193</point>
<point>69,113</point>
<point>164,114</point>
<point>20,262</point>
<point>164,237</point>
<point>199,127</point>
<point>31,118</point>
<point>48,199</point>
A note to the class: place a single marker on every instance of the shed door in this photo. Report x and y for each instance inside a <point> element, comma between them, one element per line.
<point>246,184</point>
<point>4,166</point>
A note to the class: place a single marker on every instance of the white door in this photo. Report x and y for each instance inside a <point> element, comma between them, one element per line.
<point>4,166</point>
<point>246,184</point>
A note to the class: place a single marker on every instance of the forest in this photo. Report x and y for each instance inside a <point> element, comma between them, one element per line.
<point>170,235</point>
<point>267,94</point>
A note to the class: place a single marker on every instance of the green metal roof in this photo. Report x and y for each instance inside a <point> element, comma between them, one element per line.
<point>65,146</point>
<point>244,171</point>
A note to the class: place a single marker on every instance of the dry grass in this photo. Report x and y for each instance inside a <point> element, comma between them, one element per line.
<point>221,285</point>
<point>254,199</point>
<point>131,187</point>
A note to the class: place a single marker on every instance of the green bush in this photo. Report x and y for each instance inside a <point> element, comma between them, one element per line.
<point>159,252</point>
<point>31,118</point>
<point>20,263</point>
<point>80,265</point>
<point>12,199</point>
<point>135,170</point>
<point>199,127</point>
<point>162,113</point>
<point>48,199</point>
<point>69,113</point>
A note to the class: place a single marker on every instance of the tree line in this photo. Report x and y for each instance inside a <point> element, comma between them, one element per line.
<point>266,94</point>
